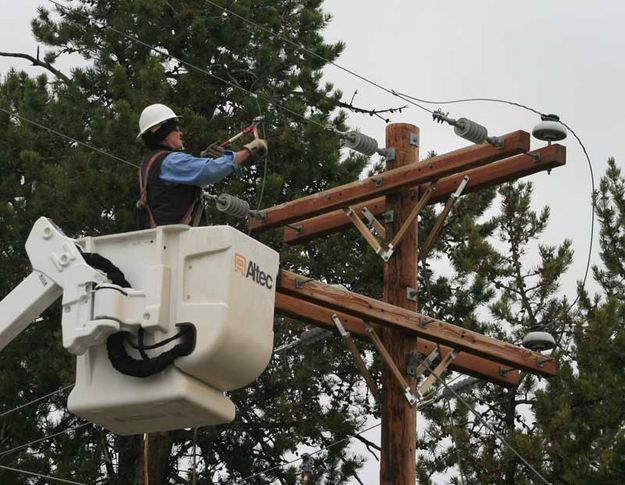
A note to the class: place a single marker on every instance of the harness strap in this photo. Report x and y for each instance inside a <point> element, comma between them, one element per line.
<point>142,203</point>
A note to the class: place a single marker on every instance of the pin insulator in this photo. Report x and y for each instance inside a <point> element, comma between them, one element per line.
<point>232,206</point>
<point>360,143</point>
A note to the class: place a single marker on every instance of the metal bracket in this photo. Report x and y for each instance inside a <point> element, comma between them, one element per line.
<point>388,216</point>
<point>259,215</point>
<point>411,294</point>
<point>413,361</point>
<point>387,153</point>
<point>377,180</point>
<point>373,222</point>
<point>440,368</point>
<point>414,140</point>
<point>415,370</point>
<point>496,142</point>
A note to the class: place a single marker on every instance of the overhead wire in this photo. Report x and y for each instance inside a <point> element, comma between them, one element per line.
<point>45,438</point>
<point>34,401</point>
<point>320,450</point>
<point>188,64</point>
<point>487,425</point>
<point>48,477</point>
<point>67,137</point>
<point>579,141</point>
<point>318,56</point>
<point>413,100</point>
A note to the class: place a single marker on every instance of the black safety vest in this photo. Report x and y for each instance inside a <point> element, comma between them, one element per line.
<point>165,202</point>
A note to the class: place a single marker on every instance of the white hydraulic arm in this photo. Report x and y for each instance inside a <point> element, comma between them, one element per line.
<point>58,269</point>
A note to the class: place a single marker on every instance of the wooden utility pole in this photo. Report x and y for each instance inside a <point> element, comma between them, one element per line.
<point>402,190</point>
<point>399,417</point>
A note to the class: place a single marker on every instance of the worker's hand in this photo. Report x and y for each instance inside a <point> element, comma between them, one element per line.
<point>255,146</point>
<point>212,151</point>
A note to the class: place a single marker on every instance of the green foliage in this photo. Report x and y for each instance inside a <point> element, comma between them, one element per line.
<point>226,73</point>
<point>581,412</point>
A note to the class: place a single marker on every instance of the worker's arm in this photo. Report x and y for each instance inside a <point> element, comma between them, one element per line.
<point>182,168</point>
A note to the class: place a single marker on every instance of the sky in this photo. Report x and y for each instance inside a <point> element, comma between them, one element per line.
<point>557,56</point>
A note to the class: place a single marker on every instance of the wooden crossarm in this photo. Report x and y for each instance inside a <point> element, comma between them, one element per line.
<point>391,181</point>
<point>434,330</point>
<point>321,316</point>
<point>506,170</point>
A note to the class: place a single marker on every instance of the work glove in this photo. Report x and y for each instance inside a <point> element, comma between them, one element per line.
<point>257,145</point>
<point>212,151</point>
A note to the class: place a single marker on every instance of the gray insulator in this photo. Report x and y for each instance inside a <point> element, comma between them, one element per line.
<point>233,206</point>
<point>360,143</point>
<point>470,130</point>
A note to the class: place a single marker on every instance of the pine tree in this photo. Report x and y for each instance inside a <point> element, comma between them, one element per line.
<point>580,414</point>
<point>310,397</point>
<point>494,290</point>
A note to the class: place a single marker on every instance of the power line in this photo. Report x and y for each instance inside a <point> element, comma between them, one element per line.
<point>282,465</point>
<point>35,400</point>
<point>67,137</point>
<point>412,100</point>
<point>579,141</point>
<point>188,64</point>
<point>320,450</point>
<point>26,472</point>
<point>318,56</point>
<point>486,424</point>
<point>45,438</point>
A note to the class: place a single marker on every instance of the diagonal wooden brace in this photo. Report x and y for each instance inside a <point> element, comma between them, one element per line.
<point>373,222</point>
<point>362,367</point>
<point>388,360</point>
<point>362,228</point>
<point>409,221</point>
<point>440,220</point>
<point>440,368</point>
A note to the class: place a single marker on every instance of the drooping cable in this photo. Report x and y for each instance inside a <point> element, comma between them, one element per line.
<point>34,474</point>
<point>579,141</point>
<point>74,140</point>
<point>320,450</point>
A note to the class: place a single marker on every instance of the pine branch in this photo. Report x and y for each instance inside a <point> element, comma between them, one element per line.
<point>369,445</point>
<point>38,62</point>
<point>371,112</point>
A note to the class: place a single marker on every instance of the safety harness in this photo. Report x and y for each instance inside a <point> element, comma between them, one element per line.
<point>143,202</point>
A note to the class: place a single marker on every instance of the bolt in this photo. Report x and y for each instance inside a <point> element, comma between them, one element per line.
<point>47,233</point>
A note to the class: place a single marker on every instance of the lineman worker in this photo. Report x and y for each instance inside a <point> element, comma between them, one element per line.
<point>170,180</point>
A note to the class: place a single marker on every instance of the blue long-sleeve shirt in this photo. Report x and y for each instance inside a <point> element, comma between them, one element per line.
<point>182,168</point>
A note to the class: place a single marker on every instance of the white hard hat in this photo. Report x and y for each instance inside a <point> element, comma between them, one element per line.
<point>154,115</point>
